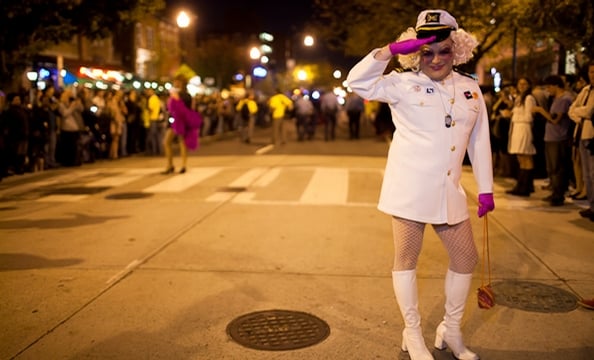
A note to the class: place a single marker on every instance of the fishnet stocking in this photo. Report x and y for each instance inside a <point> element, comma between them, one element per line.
<point>408,240</point>
<point>458,242</point>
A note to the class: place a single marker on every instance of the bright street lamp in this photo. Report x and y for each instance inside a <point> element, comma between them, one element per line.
<point>183,20</point>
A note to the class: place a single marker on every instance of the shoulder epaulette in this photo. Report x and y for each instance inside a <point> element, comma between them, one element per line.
<point>401,70</point>
<point>465,74</point>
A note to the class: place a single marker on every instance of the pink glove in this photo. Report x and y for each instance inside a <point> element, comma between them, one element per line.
<point>486,204</point>
<point>409,46</point>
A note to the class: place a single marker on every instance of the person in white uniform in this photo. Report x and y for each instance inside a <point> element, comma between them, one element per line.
<point>439,114</point>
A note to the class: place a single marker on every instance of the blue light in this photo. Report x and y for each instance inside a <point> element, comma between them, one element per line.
<point>260,72</point>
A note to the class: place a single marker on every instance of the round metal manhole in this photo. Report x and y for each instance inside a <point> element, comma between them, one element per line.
<point>278,330</point>
<point>535,297</point>
<point>128,196</point>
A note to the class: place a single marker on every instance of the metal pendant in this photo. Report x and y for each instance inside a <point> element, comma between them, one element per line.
<point>448,120</point>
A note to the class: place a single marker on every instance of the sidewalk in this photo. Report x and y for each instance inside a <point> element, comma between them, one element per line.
<point>73,292</point>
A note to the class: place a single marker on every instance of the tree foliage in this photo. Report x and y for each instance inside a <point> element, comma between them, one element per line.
<point>30,26</point>
<point>355,27</point>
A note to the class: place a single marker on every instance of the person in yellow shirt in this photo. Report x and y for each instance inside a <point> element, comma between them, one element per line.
<point>154,144</point>
<point>247,109</point>
<point>279,104</point>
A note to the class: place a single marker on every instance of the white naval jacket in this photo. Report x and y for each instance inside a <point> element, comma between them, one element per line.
<point>424,165</point>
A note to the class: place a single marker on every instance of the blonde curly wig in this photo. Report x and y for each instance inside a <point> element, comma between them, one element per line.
<point>464,45</point>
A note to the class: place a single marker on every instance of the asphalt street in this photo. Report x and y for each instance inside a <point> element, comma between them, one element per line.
<point>113,260</point>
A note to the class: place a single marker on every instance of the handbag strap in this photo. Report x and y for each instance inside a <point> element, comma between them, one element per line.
<point>486,253</point>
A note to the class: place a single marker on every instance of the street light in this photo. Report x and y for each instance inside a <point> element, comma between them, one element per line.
<point>183,22</point>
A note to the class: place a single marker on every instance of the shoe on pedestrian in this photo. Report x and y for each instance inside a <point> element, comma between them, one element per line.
<point>587,213</point>
<point>579,196</point>
<point>557,202</point>
<point>548,198</point>
<point>182,170</point>
<point>169,170</point>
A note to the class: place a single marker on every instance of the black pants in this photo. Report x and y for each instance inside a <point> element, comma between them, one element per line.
<point>558,162</point>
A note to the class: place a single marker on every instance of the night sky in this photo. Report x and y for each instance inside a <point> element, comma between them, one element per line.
<point>228,16</point>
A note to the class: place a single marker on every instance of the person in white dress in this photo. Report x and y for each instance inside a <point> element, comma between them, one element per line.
<point>439,114</point>
<point>521,139</point>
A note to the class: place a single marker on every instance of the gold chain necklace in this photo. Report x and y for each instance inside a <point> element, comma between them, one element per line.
<point>448,116</point>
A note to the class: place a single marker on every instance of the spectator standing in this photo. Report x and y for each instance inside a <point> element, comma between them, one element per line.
<point>50,104</point>
<point>117,109</point>
<point>501,119</point>
<point>581,112</point>
<point>521,139</point>
<point>354,106</point>
<point>134,121</point>
<point>15,122</point>
<point>279,105</point>
<point>304,117</point>
<point>71,124</point>
<point>557,138</point>
<point>247,110</point>
<point>38,134</point>
<point>580,189</point>
<point>154,145</point>
<point>384,126</point>
<point>329,107</point>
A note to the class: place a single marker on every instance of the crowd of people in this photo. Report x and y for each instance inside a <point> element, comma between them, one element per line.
<point>77,125</point>
<point>545,131</point>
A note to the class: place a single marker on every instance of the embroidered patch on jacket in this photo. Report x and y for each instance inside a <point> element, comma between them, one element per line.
<point>468,95</point>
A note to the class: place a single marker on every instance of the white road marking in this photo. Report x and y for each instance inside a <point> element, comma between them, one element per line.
<point>327,186</point>
<point>181,182</point>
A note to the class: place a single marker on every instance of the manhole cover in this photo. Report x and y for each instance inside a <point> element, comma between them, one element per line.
<point>278,330</point>
<point>531,296</point>
<point>127,196</point>
<point>233,189</point>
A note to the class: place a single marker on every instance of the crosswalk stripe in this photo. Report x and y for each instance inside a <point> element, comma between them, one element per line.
<point>178,183</point>
<point>327,186</point>
<point>248,178</point>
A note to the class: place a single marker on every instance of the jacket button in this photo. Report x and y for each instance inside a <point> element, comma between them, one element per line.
<point>449,172</point>
<point>453,148</point>
<point>453,123</point>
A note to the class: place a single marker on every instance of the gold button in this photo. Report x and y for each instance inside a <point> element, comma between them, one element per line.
<point>453,123</point>
<point>422,103</point>
<point>449,172</point>
<point>453,148</point>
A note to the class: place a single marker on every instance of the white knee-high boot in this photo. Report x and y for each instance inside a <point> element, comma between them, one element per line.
<point>448,332</point>
<point>405,288</point>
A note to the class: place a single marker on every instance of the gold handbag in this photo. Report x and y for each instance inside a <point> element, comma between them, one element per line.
<point>485,295</point>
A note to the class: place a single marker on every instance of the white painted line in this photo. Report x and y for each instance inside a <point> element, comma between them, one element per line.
<point>265,149</point>
<point>327,186</point>
<point>112,181</point>
<point>268,177</point>
<point>248,178</point>
<point>181,182</point>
